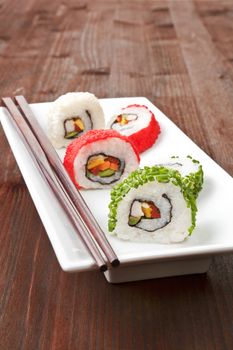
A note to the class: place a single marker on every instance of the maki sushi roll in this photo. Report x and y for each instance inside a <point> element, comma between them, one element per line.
<point>189,168</point>
<point>155,204</point>
<point>72,115</point>
<point>138,123</point>
<point>100,159</point>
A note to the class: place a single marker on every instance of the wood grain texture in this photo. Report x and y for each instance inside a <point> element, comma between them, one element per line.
<point>179,54</point>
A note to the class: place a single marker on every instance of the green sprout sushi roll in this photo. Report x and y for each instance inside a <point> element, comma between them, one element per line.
<point>72,115</point>
<point>155,204</point>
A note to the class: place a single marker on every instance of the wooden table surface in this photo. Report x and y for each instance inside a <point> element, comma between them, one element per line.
<point>179,54</point>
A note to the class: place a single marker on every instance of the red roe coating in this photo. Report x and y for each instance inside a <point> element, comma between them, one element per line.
<point>146,137</point>
<point>88,138</point>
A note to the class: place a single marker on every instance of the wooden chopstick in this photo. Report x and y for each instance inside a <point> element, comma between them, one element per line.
<point>73,193</point>
<point>43,166</point>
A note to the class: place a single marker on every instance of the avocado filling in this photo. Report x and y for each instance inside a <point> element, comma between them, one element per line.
<point>104,169</point>
<point>73,127</point>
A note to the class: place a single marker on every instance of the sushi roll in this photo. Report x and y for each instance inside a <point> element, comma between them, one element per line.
<point>138,123</point>
<point>155,204</point>
<point>100,159</point>
<point>187,167</point>
<point>72,115</point>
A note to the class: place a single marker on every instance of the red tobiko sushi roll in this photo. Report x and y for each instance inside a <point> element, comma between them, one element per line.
<point>138,123</point>
<point>100,159</point>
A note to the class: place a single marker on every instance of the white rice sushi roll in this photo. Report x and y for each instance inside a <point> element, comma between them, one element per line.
<point>155,204</point>
<point>72,115</point>
<point>100,159</point>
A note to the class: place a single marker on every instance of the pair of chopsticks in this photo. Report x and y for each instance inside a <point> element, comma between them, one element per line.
<point>51,168</point>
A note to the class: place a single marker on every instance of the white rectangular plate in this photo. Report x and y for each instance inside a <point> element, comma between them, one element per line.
<point>213,234</point>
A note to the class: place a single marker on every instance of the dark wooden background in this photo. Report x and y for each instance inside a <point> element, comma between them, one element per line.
<point>179,54</point>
